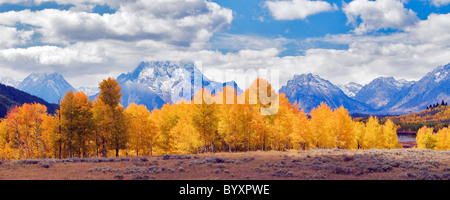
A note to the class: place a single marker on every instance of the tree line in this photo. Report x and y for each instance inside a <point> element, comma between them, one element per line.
<point>223,122</point>
<point>427,139</point>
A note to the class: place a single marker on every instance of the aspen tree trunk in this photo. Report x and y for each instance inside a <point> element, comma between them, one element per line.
<point>60,134</point>
<point>70,146</point>
<point>151,150</point>
<point>36,137</point>
<point>18,139</point>
<point>103,147</point>
<point>60,148</point>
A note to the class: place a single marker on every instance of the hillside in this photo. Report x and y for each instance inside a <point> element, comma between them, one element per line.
<point>10,97</point>
<point>436,117</point>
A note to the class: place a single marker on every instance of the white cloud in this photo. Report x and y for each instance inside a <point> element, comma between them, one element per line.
<point>439,3</point>
<point>111,3</point>
<point>10,36</point>
<point>378,14</point>
<point>179,23</point>
<point>297,9</point>
<point>436,30</point>
<point>92,46</point>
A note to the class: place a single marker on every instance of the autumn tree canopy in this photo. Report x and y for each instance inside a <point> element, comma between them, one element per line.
<point>221,122</point>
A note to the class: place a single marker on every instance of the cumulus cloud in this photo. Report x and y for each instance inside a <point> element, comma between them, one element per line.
<point>180,23</point>
<point>11,36</point>
<point>87,47</point>
<point>70,41</point>
<point>297,9</point>
<point>439,3</point>
<point>378,14</point>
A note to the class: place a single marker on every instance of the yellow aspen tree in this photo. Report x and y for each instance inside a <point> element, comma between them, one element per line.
<point>67,109</point>
<point>344,126</point>
<point>244,125</point>
<point>321,124</point>
<point>142,129</point>
<point>301,135</point>
<point>25,124</point>
<point>84,121</point>
<point>263,102</point>
<point>425,138</point>
<point>372,134</point>
<point>14,132</point>
<point>5,151</point>
<point>186,138</point>
<point>52,135</point>
<point>360,131</point>
<point>205,120</point>
<point>102,127</point>
<point>165,120</point>
<point>283,125</point>
<point>228,115</point>
<point>390,133</point>
<point>443,139</point>
<point>110,95</point>
<point>260,131</point>
<point>38,113</point>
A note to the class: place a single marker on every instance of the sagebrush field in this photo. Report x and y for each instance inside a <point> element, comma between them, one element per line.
<point>320,164</point>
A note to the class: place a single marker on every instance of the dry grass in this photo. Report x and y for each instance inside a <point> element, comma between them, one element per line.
<point>328,164</point>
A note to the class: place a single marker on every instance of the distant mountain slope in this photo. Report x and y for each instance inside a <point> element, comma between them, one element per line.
<point>350,89</point>
<point>310,90</point>
<point>50,87</point>
<point>381,91</point>
<point>89,90</point>
<point>9,81</point>
<point>433,87</point>
<point>10,97</point>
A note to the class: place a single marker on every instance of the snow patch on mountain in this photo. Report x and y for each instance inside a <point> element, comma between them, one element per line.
<point>9,81</point>
<point>169,80</point>
<point>89,90</point>
<point>351,89</point>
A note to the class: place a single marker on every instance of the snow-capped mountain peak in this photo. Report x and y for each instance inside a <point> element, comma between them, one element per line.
<point>433,87</point>
<point>50,87</point>
<point>310,90</point>
<point>381,91</point>
<point>157,82</point>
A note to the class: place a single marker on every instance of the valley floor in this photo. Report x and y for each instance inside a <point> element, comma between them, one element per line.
<point>328,164</point>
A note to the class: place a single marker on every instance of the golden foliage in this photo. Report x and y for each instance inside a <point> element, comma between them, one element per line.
<point>257,119</point>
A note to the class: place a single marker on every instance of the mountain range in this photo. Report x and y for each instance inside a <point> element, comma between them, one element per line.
<point>382,96</point>
<point>310,90</point>
<point>158,82</point>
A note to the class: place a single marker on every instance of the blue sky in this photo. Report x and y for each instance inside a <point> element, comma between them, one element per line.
<point>342,41</point>
<point>254,18</point>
